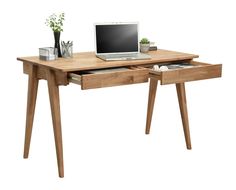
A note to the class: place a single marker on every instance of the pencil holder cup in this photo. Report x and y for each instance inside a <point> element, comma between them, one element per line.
<point>67,49</point>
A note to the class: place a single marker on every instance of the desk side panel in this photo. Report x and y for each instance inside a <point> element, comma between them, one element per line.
<point>61,77</point>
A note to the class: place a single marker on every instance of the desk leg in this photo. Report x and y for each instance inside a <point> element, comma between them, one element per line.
<point>31,102</point>
<point>56,118</point>
<point>180,88</point>
<point>151,101</point>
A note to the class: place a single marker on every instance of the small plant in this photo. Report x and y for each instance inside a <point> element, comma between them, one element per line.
<point>55,22</point>
<point>144,41</point>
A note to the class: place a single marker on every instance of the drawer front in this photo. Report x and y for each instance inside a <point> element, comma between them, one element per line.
<point>200,71</point>
<point>114,78</point>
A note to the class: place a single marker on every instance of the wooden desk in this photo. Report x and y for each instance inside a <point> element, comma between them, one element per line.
<point>74,70</point>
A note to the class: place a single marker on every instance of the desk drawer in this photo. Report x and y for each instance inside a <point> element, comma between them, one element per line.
<point>109,77</point>
<point>199,71</point>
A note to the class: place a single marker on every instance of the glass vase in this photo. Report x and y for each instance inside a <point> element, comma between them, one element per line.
<point>57,42</point>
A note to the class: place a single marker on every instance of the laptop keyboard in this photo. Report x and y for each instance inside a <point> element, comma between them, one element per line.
<point>117,57</point>
<point>122,56</point>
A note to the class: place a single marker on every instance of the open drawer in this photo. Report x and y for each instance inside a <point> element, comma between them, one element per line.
<point>109,77</point>
<point>196,71</point>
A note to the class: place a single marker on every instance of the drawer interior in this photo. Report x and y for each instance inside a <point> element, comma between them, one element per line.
<point>177,65</point>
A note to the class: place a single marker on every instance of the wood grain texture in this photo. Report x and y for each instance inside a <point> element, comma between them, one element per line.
<point>199,72</point>
<point>31,102</point>
<point>151,102</point>
<point>62,71</point>
<point>88,61</point>
<point>61,77</point>
<point>113,78</point>
<point>53,90</point>
<point>180,88</point>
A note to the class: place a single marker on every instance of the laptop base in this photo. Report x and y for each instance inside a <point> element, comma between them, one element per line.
<point>121,57</point>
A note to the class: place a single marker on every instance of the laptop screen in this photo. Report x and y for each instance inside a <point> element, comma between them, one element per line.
<point>116,38</point>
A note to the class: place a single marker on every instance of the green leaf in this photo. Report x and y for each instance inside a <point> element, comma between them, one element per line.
<point>55,22</point>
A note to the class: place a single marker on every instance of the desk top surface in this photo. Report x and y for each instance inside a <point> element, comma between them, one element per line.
<point>88,60</point>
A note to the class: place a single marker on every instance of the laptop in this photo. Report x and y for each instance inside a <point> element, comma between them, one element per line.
<point>118,41</point>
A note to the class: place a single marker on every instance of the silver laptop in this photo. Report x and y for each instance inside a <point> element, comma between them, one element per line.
<point>118,41</point>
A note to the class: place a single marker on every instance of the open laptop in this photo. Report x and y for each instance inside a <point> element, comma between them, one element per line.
<point>118,41</point>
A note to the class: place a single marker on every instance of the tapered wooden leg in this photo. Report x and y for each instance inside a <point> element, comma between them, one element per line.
<point>180,88</point>
<point>151,101</point>
<point>56,118</point>
<point>31,102</point>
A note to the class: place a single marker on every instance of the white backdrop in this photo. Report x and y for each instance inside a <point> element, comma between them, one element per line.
<point>103,130</point>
